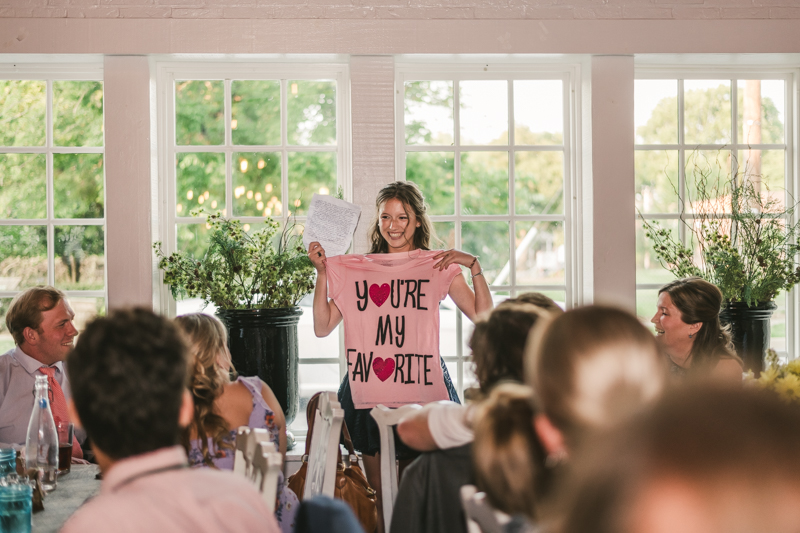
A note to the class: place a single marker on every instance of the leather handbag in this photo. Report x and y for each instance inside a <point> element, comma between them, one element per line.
<point>351,483</point>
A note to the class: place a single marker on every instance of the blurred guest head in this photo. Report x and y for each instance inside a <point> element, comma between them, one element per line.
<point>710,460</point>
<point>498,343</point>
<point>536,298</point>
<point>590,368</point>
<point>506,452</point>
<point>128,373</point>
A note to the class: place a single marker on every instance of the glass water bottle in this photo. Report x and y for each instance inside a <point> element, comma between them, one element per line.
<point>41,445</point>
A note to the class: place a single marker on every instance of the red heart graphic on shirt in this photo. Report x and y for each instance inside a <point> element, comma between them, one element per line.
<point>383,368</point>
<point>379,294</point>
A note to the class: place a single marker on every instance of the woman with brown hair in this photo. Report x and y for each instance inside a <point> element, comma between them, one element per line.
<point>690,333</point>
<point>222,405</point>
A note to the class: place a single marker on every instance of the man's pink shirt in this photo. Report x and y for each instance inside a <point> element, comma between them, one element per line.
<point>142,493</point>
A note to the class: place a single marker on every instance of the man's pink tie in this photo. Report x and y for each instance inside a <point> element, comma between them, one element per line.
<point>59,405</point>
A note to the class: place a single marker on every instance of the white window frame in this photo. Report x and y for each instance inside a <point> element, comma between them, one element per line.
<point>70,70</point>
<point>164,180</point>
<point>711,71</point>
<point>514,69</point>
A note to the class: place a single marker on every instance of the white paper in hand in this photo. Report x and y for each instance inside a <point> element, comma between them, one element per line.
<point>331,222</point>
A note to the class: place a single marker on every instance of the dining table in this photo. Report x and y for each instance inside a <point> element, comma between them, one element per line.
<point>72,490</point>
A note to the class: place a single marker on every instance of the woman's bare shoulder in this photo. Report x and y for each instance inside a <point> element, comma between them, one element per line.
<point>729,369</point>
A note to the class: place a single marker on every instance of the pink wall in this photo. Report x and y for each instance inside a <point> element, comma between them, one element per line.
<point>404,9</point>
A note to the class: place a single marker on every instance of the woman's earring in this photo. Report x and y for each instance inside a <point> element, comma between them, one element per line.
<point>691,335</point>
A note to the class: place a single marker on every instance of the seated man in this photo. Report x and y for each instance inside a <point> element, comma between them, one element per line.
<point>40,320</point>
<point>129,373</point>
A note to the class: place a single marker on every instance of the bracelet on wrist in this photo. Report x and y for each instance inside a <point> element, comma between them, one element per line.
<point>478,274</point>
<point>475,258</point>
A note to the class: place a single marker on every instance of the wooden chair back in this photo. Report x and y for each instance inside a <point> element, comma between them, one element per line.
<point>265,472</point>
<point>481,516</point>
<point>324,451</point>
<point>246,440</point>
<point>386,418</point>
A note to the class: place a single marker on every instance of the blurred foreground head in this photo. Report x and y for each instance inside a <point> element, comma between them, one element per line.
<point>590,368</point>
<point>710,460</point>
<point>128,374</point>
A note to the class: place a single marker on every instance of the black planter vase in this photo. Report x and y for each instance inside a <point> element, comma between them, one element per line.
<point>750,329</point>
<point>263,343</point>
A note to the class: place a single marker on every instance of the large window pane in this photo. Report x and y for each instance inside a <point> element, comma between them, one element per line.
<point>429,113</point>
<point>446,234</point>
<point>313,379</point>
<point>434,173</point>
<point>761,111</point>
<point>201,182</point>
<point>648,267</point>
<point>78,185</point>
<point>489,240</point>
<point>484,112</point>
<point>765,170</point>
<point>257,184</point>
<point>6,340</point>
<point>707,111</point>
<point>484,183</point>
<point>539,183</point>
<point>80,257</point>
<point>23,256</point>
<point>655,111</point>
<point>311,112</point>
<point>193,239</point>
<point>23,191</point>
<point>309,173</point>
<point>646,300</point>
<point>656,181</point>
<point>534,123</point>
<point>540,253</point>
<point>22,112</point>
<point>199,112</point>
<point>708,178</point>
<point>256,112</point>
<point>86,310</point>
<point>78,113</point>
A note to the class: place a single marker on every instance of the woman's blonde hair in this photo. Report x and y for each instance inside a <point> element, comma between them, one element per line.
<point>592,367</point>
<point>506,451</point>
<point>210,366</point>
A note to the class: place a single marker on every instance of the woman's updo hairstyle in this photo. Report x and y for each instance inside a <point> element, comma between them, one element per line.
<point>591,368</point>
<point>699,301</point>
<point>411,197</point>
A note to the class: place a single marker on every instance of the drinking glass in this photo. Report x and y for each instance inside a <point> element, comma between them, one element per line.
<point>65,432</point>
<point>15,507</point>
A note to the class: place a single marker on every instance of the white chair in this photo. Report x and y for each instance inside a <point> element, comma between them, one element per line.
<point>386,418</point>
<point>266,467</point>
<point>324,452</point>
<point>246,440</point>
<point>481,516</point>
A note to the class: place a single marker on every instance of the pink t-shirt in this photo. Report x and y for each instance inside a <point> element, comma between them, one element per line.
<point>390,306</point>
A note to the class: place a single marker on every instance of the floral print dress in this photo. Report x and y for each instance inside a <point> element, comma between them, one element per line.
<point>261,417</point>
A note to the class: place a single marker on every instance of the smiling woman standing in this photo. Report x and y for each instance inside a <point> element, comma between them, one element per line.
<point>690,333</point>
<point>406,281</point>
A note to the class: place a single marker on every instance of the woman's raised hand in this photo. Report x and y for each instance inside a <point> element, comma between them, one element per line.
<point>448,257</point>
<point>316,253</point>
